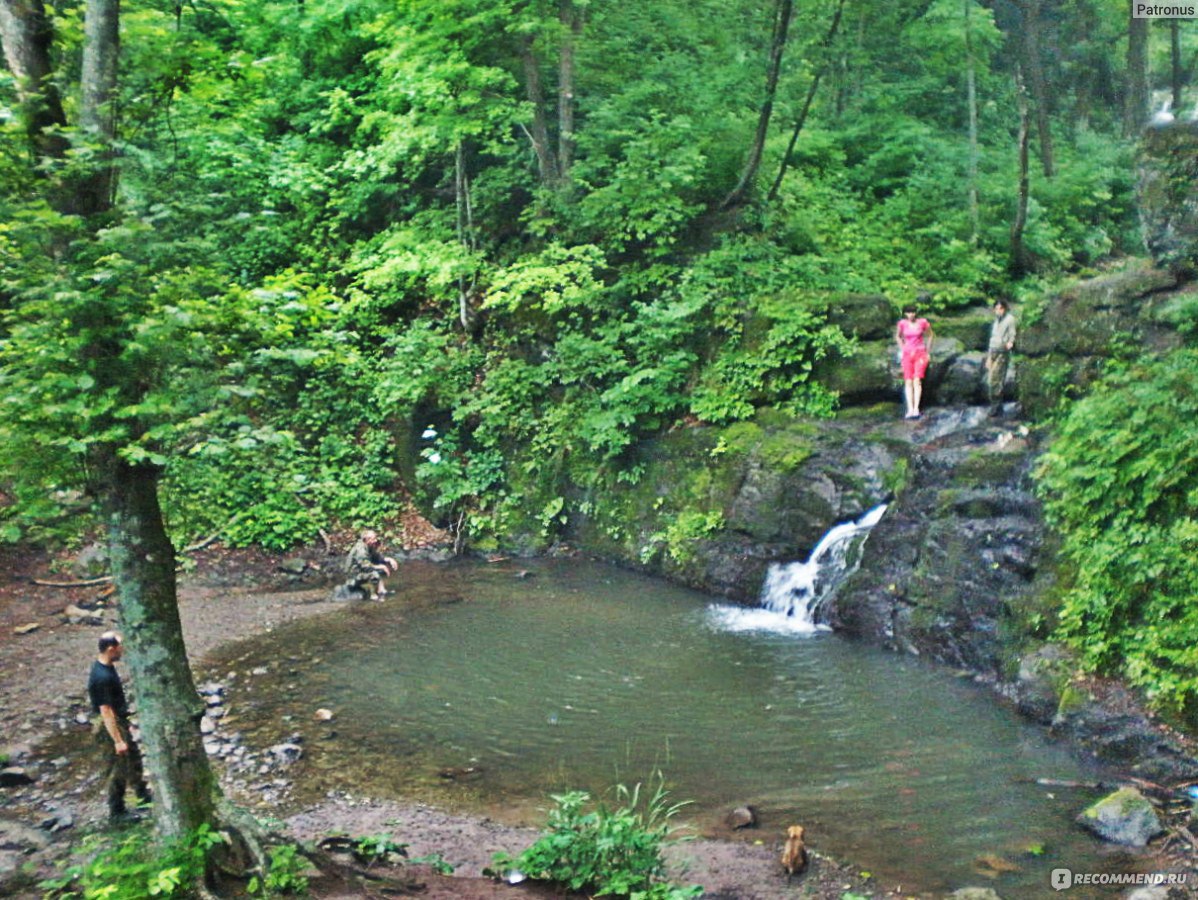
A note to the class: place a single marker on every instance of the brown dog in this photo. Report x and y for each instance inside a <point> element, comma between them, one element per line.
<point>794,854</point>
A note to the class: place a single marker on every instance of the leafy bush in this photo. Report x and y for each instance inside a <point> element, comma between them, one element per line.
<point>132,867</point>
<point>285,876</point>
<point>1121,484</point>
<point>608,851</point>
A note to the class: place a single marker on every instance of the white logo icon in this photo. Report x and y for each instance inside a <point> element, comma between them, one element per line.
<point>1061,879</point>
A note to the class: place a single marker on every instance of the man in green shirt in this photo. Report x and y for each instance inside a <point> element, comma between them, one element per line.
<point>998,354</point>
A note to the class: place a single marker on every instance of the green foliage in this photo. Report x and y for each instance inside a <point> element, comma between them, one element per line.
<point>609,851</point>
<point>131,866</point>
<point>1121,485</point>
<point>285,876</point>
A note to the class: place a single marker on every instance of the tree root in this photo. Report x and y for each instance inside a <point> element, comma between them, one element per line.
<point>365,878</point>
<point>245,854</point>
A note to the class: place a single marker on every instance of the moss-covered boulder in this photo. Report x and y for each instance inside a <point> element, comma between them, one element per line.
<point>1167,185</point>
<point>1124,817</point>
<point>1063,347</point>
<point>867,317</point>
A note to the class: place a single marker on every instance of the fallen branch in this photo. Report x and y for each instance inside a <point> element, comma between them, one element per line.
<point>214,536</point>
<point>1066,783</point>
<point>328,545</point>
<point>1187,834</point>
<point>87,582</point>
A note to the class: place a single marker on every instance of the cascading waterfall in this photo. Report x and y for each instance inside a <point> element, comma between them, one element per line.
<point>793,592</point>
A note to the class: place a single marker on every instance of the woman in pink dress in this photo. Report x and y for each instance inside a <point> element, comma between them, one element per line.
<point>914,338</point>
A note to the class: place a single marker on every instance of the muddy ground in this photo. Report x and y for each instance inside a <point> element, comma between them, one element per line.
<point>234,594</point>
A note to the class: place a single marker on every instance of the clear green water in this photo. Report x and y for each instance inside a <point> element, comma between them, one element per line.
<point>585,676</point>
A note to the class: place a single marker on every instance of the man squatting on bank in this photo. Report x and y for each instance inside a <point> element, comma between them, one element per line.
<point>366,567</point>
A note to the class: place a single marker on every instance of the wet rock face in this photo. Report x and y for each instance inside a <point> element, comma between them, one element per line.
<point>776,487</point>
<point>959,545</point>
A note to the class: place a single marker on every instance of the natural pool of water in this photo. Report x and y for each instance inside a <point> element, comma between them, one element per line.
<point>585,676</point>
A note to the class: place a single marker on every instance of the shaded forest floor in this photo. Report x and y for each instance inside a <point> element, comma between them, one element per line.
<point>233,594</point>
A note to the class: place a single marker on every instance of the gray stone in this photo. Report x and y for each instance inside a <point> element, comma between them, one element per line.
<point>742,817</point>
<point>287,752</point>
<point>294,566</point>
<point>974,893</point>
<point>1124,817</point>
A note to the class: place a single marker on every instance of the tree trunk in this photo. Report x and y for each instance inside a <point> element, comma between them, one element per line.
<point>825,45</point>
<point>571,21</point>
<point>97,113</point>
<point>782,15</point>
<point>169,710</point>
<point>1019,261</point>
<point>1176,71</point>
<point>539,136</point>
<point>1034,65</point>
<point>26,37</point>
<point>971,99</point>
<point>1135,101</point>
<point>467,314</point>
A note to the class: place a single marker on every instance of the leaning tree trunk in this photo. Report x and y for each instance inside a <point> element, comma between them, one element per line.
<point>782,15</point>
<point>825,46</point>
<point>169,709</point>
<point>539,135</point>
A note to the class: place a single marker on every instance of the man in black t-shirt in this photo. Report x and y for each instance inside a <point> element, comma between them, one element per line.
<point>122,767</point>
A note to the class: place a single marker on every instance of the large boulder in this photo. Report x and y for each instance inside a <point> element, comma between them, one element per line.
<point>866,317</point>
<point>1124,817</point>
<point>1065,348</point>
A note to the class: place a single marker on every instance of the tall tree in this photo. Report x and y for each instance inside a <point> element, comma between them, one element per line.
<point>1135,98</point>
<point>76,371</point>
<point>26,37</point>
<point>971,100</point>
<point>1019,262</point>
<point>1033,67</point>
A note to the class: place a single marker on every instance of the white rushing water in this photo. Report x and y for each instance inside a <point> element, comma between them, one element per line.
<point>793,592</point>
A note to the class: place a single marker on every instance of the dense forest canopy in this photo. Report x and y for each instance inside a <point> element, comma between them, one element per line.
<point>468,252</point>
